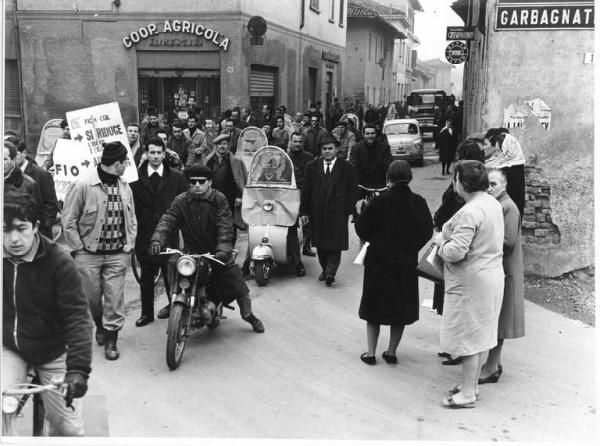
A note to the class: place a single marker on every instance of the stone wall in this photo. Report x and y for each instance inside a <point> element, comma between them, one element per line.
<point>537,226</point>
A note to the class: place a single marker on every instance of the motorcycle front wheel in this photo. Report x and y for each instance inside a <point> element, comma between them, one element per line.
<point>262,271</point>
<point>177,334</point>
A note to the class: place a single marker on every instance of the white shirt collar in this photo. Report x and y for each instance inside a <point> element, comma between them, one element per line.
<point>331,164</point>
<point>24,165</point>
<point>160,170</point>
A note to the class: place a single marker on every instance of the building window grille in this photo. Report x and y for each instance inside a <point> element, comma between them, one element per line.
<point>314,5</point>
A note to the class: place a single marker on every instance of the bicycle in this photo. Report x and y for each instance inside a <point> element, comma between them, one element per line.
<point>13,406</point>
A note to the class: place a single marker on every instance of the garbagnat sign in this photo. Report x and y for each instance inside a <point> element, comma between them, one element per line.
<point>549,14</point>
<point>177,26</point>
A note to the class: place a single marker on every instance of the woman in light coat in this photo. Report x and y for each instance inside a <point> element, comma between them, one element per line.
<point>512,314</point>
<point>471,246</point>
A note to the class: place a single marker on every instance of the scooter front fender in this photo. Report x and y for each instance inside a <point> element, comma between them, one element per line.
<point>261,252</point>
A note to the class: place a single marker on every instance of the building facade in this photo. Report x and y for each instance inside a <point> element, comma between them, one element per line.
<point>402,16</point>
<point>441,74</point>
<point>369,63</point>
<point>530,69</point>
<point>174,56</point>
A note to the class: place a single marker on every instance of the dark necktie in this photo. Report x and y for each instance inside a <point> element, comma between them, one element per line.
<point>328,168</point>
<point>155,180</point>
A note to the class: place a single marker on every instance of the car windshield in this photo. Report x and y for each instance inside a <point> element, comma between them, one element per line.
<point>402,128</point>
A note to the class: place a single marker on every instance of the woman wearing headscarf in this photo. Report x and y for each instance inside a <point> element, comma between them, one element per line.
<point>511,323</point>
<point>508,155</point>
<point>470,245</point>
<point>397,224</point>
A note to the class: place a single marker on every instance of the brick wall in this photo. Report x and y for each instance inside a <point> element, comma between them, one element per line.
<point>537,226</point>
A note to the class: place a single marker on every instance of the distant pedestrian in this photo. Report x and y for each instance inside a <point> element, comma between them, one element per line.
<point>313,135</point>
<point>198,149</point>
<point>329,193</point>
<point>135,144</point>
<point>15,179</point>
<point>447,141</point>
<point>152,127</point>
<point>397,224</point>
<point>281,136</point>
<point>100,228</point>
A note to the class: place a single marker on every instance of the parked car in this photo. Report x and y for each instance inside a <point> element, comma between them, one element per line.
<point>405,140</point>
<point>50,133</point>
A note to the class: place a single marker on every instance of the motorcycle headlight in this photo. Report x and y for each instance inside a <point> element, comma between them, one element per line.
<point>186,266</point>
<point>9,404</point>
<point>268,206</point>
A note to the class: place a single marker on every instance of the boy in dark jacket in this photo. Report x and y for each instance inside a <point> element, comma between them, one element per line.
<point>46,318</point>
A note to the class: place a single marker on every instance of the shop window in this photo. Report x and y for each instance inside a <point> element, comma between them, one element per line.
<point>314,5</point>
<point>173,96</point>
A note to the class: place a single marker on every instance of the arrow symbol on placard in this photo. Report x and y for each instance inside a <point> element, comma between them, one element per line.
<point>85,163</point>
<point>78,138</point>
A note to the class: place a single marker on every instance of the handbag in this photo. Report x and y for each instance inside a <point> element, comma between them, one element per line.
<point>431,266</point>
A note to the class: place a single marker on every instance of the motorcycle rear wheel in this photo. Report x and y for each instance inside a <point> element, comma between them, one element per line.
<point>177,335</point>
<point>262,271</point>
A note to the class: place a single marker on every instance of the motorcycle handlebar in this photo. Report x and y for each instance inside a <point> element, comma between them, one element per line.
<point>206,255</point>
<point>369,189</point>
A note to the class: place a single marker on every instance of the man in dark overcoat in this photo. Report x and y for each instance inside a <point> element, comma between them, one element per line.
<point>329,194</point>
<point>153,193</point>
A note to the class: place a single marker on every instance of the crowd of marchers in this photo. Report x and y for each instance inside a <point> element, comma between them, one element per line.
<point>191,181</point>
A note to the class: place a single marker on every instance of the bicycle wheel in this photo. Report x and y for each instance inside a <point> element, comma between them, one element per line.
<point>177,334</point>
<point>137,271</point>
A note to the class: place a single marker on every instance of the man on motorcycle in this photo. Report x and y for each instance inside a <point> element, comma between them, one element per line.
<point>204,217</point>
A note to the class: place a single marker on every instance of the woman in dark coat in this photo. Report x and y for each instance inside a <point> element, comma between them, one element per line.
<point>446,144</point>
<point>397,224</point>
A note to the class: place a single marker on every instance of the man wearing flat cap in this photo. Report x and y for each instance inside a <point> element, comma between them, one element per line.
<point>100,228</point>
<point>329,194</point>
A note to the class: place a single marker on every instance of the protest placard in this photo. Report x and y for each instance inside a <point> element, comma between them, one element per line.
<point>70,164</point>
<point>91,127</point>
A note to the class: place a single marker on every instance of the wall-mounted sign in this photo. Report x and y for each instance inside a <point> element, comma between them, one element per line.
<point>548,14</point>
<point>333,57</point>
<point>456,52</point>
<point>460,32</point>
<point>176,26</point>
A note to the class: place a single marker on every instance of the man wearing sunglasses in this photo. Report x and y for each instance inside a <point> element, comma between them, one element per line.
<point>204,217</point>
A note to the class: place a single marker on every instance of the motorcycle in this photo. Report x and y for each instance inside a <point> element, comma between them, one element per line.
<point>270,205</point>
<point>192,304</point>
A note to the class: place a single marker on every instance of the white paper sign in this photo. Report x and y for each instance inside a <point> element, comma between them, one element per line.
<point>360,258</point>
<point>90,127</point>
<point>70,164</point>
<point>541,110</point>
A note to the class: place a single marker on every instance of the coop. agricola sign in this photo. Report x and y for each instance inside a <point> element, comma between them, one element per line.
<point>176,26</point>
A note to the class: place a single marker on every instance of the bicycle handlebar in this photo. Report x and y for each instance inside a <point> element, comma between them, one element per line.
<point>59,388</point>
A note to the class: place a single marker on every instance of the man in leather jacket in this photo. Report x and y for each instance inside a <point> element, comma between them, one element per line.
<point>204,217</point>
<point>46,320</point>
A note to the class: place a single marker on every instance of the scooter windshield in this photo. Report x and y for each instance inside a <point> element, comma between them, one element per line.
<point>251,140</point>
<point>271,167</point>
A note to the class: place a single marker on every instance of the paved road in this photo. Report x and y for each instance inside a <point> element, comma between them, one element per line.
<point>303,377</point>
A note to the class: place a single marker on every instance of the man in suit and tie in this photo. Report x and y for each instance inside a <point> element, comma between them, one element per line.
<point>329,194</point>
<point>153,193</point>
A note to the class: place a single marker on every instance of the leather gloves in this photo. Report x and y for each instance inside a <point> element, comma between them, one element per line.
<point>154,248</point>
<point>77,386</point>
<point>222,256</point>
